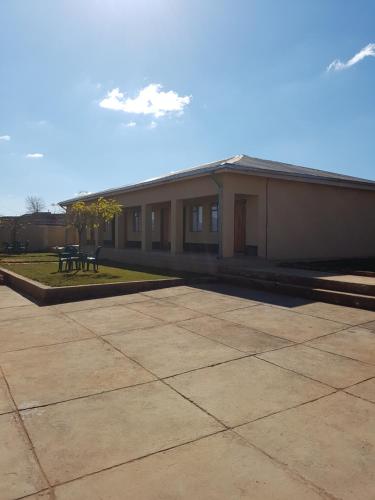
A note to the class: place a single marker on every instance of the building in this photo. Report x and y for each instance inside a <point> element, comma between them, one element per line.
<point>42,230</point>
<point>240,206</point>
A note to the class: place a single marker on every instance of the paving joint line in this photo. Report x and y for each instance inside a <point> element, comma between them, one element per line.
<point>159,379</point>
<point>31,444</point>
<point>289,470</point>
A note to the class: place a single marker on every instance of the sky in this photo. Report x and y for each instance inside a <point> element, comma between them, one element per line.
<point>96,94</point>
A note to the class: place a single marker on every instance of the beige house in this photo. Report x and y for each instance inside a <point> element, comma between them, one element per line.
<point>240,206</point>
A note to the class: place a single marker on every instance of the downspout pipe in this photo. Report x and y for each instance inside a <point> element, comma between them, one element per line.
<point>220,189</point>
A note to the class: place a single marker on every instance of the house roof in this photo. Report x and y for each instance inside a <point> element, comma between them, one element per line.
<point>38,218</point>
<point>241,164</point>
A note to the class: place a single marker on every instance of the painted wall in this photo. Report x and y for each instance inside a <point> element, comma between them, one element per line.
<point>312,221</point>
<point>40,237</point>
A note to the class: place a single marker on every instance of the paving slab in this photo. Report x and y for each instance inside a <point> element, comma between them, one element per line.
<point>6,403</point>
<point>331,369</point>
<point>10,298</point>
<point>357,343</point>
<point>170,349</point>
<point>243,390</point>
<point>329,442</point>
<point>19,472</point>
<point>364,390</point>
<point>87,435</point>
<point>342,314</point>
<point>32,310</point>
<point>220,467</point>
<point>369,326</point>
<point>164,311</point>
<point>112,319</point>
<point>38,331</point>
<point>210,303</point>
<point>172,291</point>
<point>102,302</point>
<point>282,323</point>
<point>45,375</point>
<point>240,337</point>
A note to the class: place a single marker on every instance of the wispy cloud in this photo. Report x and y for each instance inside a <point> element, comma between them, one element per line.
<point>151,100</point>
<point>35,155</point>
<point>152,125</point>
<point>4,137</point>
<point>130,124</point>
<point>338,65</point>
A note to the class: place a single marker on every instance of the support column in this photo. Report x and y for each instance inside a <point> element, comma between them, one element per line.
<point>119,231</point>
<point>226,223</point>
<point>177,226</point>
<point>146,228</point>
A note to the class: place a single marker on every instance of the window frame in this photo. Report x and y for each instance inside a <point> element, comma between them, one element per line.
<point>197,218</point>
<point>214,222</point>
<point>153,220</point>
<point>136,220</point>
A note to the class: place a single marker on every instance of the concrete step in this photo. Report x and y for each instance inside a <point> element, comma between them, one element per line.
<point>361,301</point>
<point>310,279</point>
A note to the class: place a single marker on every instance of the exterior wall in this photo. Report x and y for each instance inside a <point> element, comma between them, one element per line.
<point>312,221</point>
<point>40,237</point>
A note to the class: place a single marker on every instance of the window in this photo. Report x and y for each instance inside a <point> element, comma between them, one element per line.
<point>214,224</point>
<point>197,218</point>
<point>153,220</point>
<point>136,220</point>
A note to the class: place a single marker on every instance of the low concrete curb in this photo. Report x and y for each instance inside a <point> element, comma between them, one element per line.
<point>47,295</point>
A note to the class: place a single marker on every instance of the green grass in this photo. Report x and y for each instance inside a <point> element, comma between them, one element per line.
<point>46,273</point>
<point>28,257</point>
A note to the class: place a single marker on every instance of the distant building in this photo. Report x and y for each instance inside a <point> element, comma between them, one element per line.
<point>42,230</point>
<point>240,206</point>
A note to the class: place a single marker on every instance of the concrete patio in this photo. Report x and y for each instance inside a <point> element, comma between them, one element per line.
<point>202,393</point>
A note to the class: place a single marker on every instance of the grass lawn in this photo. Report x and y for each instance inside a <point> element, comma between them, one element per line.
<point>28,257</point>
<point>46,273</point>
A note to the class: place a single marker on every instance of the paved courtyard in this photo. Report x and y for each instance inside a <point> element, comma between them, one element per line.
<point>215,393</point>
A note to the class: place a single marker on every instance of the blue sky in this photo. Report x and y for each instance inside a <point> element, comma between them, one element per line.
<point>111,92</point>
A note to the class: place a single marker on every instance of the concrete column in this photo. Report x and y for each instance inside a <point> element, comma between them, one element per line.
<point>226,222</point>
<point>120,230</point>
<point>146,228</point>
<point>177,226</point>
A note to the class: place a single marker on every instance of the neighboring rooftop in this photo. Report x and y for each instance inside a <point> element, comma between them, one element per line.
<point>38,218</point>
<point>242,164</point>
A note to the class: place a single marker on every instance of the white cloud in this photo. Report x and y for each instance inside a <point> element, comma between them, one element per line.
<point>338,65</point>
<point>151,100</point>
<point>153,125</point>
<point>34,155</point>
<point>4,137</point>
<point>130,124</point>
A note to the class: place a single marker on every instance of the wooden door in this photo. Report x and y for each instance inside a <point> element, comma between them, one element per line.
<point>240,226</point>
<point>164,229</point>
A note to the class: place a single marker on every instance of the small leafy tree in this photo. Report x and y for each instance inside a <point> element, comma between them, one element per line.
<point>84,216</point>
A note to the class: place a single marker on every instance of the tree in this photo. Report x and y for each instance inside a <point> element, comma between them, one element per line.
<point>84,216</point>
<point>34,204</point>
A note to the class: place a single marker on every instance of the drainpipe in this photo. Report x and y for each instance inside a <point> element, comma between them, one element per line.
<point>219,185</point>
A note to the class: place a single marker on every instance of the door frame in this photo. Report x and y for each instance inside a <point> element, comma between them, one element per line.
<point>239,239</point>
